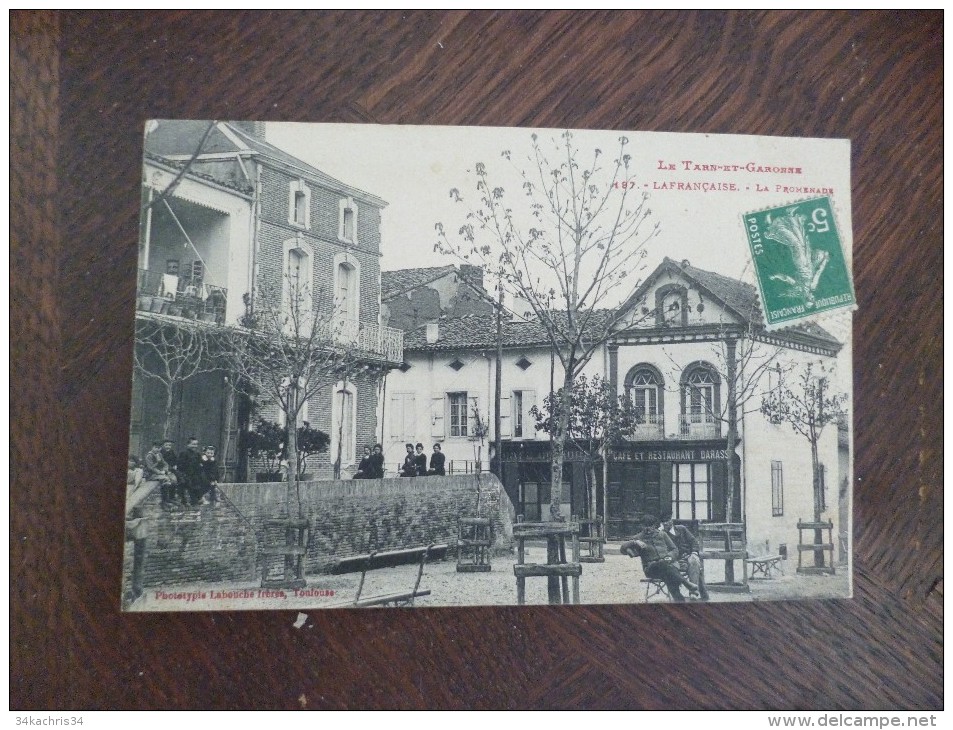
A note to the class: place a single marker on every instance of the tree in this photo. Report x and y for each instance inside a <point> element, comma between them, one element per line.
<point>807,407</point>
<point>171,353</point>
<point>570,247</point>
<point>266,442</point>
<point>598,420</point>
<point>291,347</point>
<point>311,441</point>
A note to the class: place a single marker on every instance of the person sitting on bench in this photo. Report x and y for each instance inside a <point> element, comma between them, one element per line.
<point>689,554</point>
<point>659,557</point>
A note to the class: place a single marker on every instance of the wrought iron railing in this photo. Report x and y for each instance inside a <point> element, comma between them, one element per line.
<point>181,296</point>
<point>648,427</point>
<point>386,342</point>
<point>698,426</point>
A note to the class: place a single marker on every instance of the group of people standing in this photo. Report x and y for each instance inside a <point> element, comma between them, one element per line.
<point>186,478</point>
<point>415,462</point>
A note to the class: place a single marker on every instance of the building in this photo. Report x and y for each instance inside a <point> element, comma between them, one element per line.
<point>414,297</point>
<point>226,215</point>
<point>670,357</point>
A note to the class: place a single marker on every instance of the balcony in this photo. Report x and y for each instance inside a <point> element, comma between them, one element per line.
<point>649,427</point>
<point>698,426</point>
<point>180,296</point>
<point>382,342</point>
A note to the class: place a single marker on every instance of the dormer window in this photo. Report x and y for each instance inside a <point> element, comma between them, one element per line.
<point>671,306</point>
<point>347,220</point>
<point>299,204</point>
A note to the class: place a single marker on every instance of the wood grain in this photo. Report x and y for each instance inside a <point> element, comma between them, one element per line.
<point>81,86</point>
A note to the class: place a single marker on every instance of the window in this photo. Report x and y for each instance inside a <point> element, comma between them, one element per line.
<point>777,489</point>
<point>345,291</point>
<point>172,266</point>
<point>701,401</point>
<point>296,277</point>
<point>458,413</point>
<point>299,204</point>
<point>347,220</point>
<point>347,297</point>
<point>691,491</point>
<point>516,421</point>
<point>671,306</point>
<point>644,387</point>
<point>198,273</point>
<point>343,423</point>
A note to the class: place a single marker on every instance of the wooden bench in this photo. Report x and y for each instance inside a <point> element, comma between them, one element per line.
<point>387,559</point>
<point>765,566</point>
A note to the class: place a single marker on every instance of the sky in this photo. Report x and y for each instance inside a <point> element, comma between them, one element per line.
<point>414,168</point>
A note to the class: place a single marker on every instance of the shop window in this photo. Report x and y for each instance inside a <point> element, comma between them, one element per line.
<point>691,491</point>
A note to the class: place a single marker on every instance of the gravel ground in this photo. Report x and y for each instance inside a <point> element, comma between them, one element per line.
<point>614,581</point>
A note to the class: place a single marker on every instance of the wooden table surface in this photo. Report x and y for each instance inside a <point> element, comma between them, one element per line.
<point>82,85</point>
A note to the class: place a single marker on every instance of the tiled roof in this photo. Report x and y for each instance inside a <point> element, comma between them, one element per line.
<point>269,150</point>
<point>476,331</point>
<point>397,282</point>
<point>743,299</point>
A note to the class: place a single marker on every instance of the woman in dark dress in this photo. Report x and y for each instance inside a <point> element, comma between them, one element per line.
<point>364,468</point>
<point>409,468</point>
<point>437,462</point>
<point>420,461</point>
<point>376,463</point>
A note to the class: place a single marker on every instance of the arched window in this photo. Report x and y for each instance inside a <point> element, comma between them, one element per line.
<point>644,388</point>
<point>701,401</point>
<point>296,282</point>
<point>345,291</point>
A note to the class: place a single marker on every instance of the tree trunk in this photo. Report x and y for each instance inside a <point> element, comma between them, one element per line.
<point>169,407</point>
<point>559,448</point>
<point>732,435</point>
<point>816,471</point>
<point>291,421</point>
<point>731,439</point>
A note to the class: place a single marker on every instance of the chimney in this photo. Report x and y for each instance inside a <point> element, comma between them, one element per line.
<point>254,129</point>
<point>433,333</point>
<point>473,274</point>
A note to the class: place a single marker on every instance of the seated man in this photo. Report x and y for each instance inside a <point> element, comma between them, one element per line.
<point>659,557</point>
<point>689,554</point>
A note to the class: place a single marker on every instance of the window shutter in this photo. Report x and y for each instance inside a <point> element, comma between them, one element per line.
<point>409,416</point>
<point>437,405</point>
<point>506,417</point>
<point>396,417</point>
<point>529,423</point>
<point>474,407</point>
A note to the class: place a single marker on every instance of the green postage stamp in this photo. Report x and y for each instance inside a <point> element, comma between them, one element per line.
<point>799,260</point>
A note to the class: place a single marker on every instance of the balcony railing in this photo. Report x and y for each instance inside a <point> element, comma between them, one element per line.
<point>648,427</point>
<point>698,426</point>
<point>385,342</point>
<point>181,296</point>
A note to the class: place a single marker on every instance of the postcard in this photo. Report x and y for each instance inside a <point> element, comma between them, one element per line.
<point>382,366</point>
